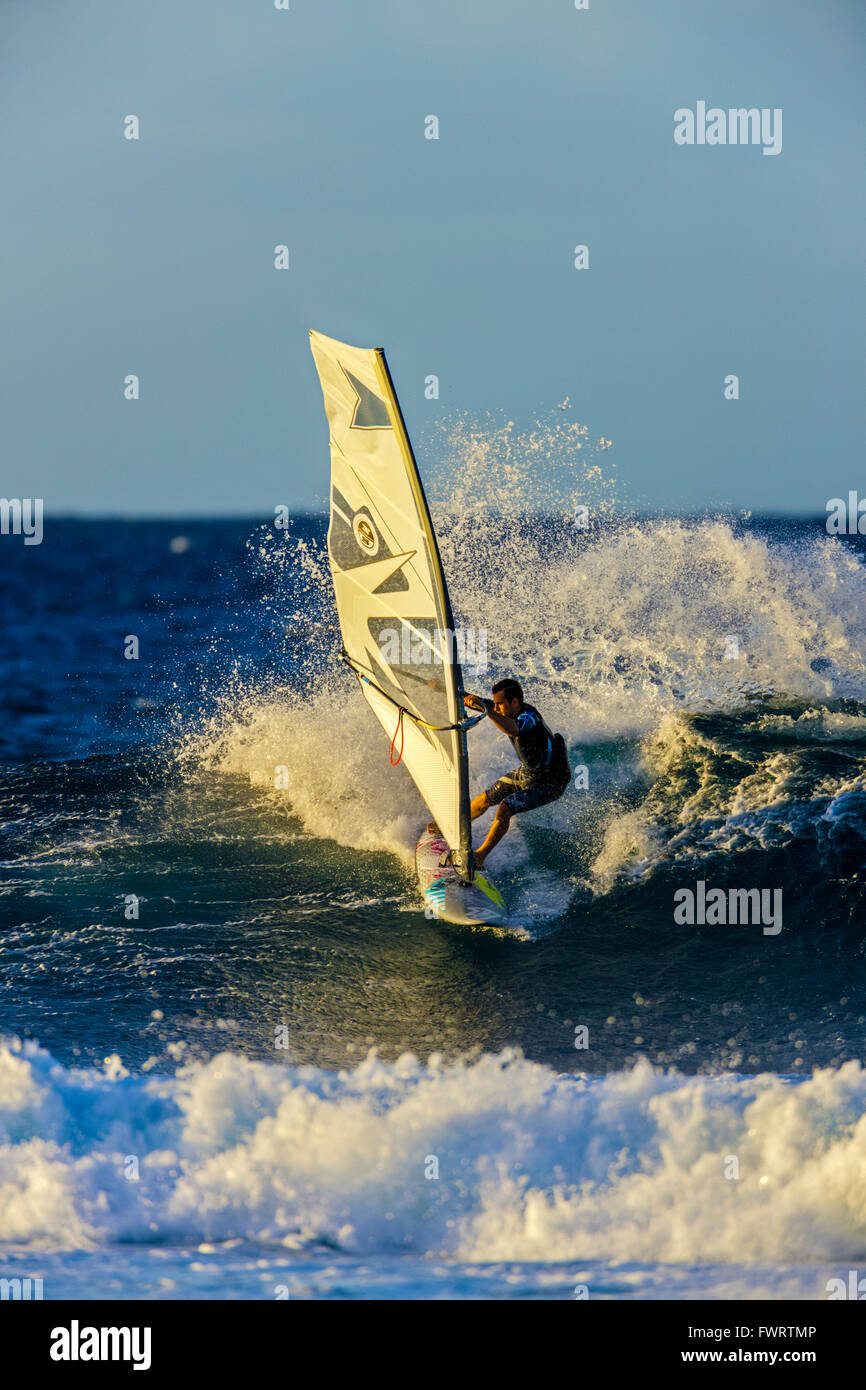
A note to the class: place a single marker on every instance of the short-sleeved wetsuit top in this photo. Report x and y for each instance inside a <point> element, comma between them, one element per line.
<point>544,772</point>
<point>533,744</point>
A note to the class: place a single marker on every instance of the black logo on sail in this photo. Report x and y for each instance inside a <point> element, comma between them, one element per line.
<point>365,534</point>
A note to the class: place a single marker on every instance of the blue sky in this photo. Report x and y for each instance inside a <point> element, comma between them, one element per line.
<point>261,127</point>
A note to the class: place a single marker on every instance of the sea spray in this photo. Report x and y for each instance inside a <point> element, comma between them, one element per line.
<point>622,631</point>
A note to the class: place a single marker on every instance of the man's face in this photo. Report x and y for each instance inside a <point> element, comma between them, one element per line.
<point>505,708</point>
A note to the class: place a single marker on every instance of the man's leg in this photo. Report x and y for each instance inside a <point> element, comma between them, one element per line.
<point>523,799</point>
<point>501,822</point>
<point>477,807</point>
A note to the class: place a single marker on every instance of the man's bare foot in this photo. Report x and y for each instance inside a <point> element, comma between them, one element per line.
<point>479,859</point>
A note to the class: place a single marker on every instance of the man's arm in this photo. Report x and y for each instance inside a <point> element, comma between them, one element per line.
<point>508,725</point>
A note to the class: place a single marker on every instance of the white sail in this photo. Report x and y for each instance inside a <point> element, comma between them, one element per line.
<point>394,610</point>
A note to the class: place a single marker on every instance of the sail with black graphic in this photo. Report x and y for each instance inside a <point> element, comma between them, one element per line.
<point>392,600</point>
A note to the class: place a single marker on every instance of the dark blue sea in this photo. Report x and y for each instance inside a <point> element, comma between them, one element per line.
<point>239,1061</point>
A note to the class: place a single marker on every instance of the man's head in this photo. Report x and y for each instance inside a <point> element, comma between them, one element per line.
<point>507,698</point>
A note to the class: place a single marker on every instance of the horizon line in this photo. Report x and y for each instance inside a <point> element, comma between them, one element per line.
<point>257,519</point>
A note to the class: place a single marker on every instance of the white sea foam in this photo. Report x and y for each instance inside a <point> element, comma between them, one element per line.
<point>532,1166</point>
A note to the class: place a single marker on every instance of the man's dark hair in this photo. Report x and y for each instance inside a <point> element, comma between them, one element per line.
<point>510,689</point>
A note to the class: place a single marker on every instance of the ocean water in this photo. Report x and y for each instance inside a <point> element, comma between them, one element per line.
<point>279,1079</point>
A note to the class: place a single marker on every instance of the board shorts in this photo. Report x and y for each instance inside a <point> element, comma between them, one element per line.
<point>521,796</point>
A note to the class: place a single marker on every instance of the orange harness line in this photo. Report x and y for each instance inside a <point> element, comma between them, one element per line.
<point>398,730</point>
